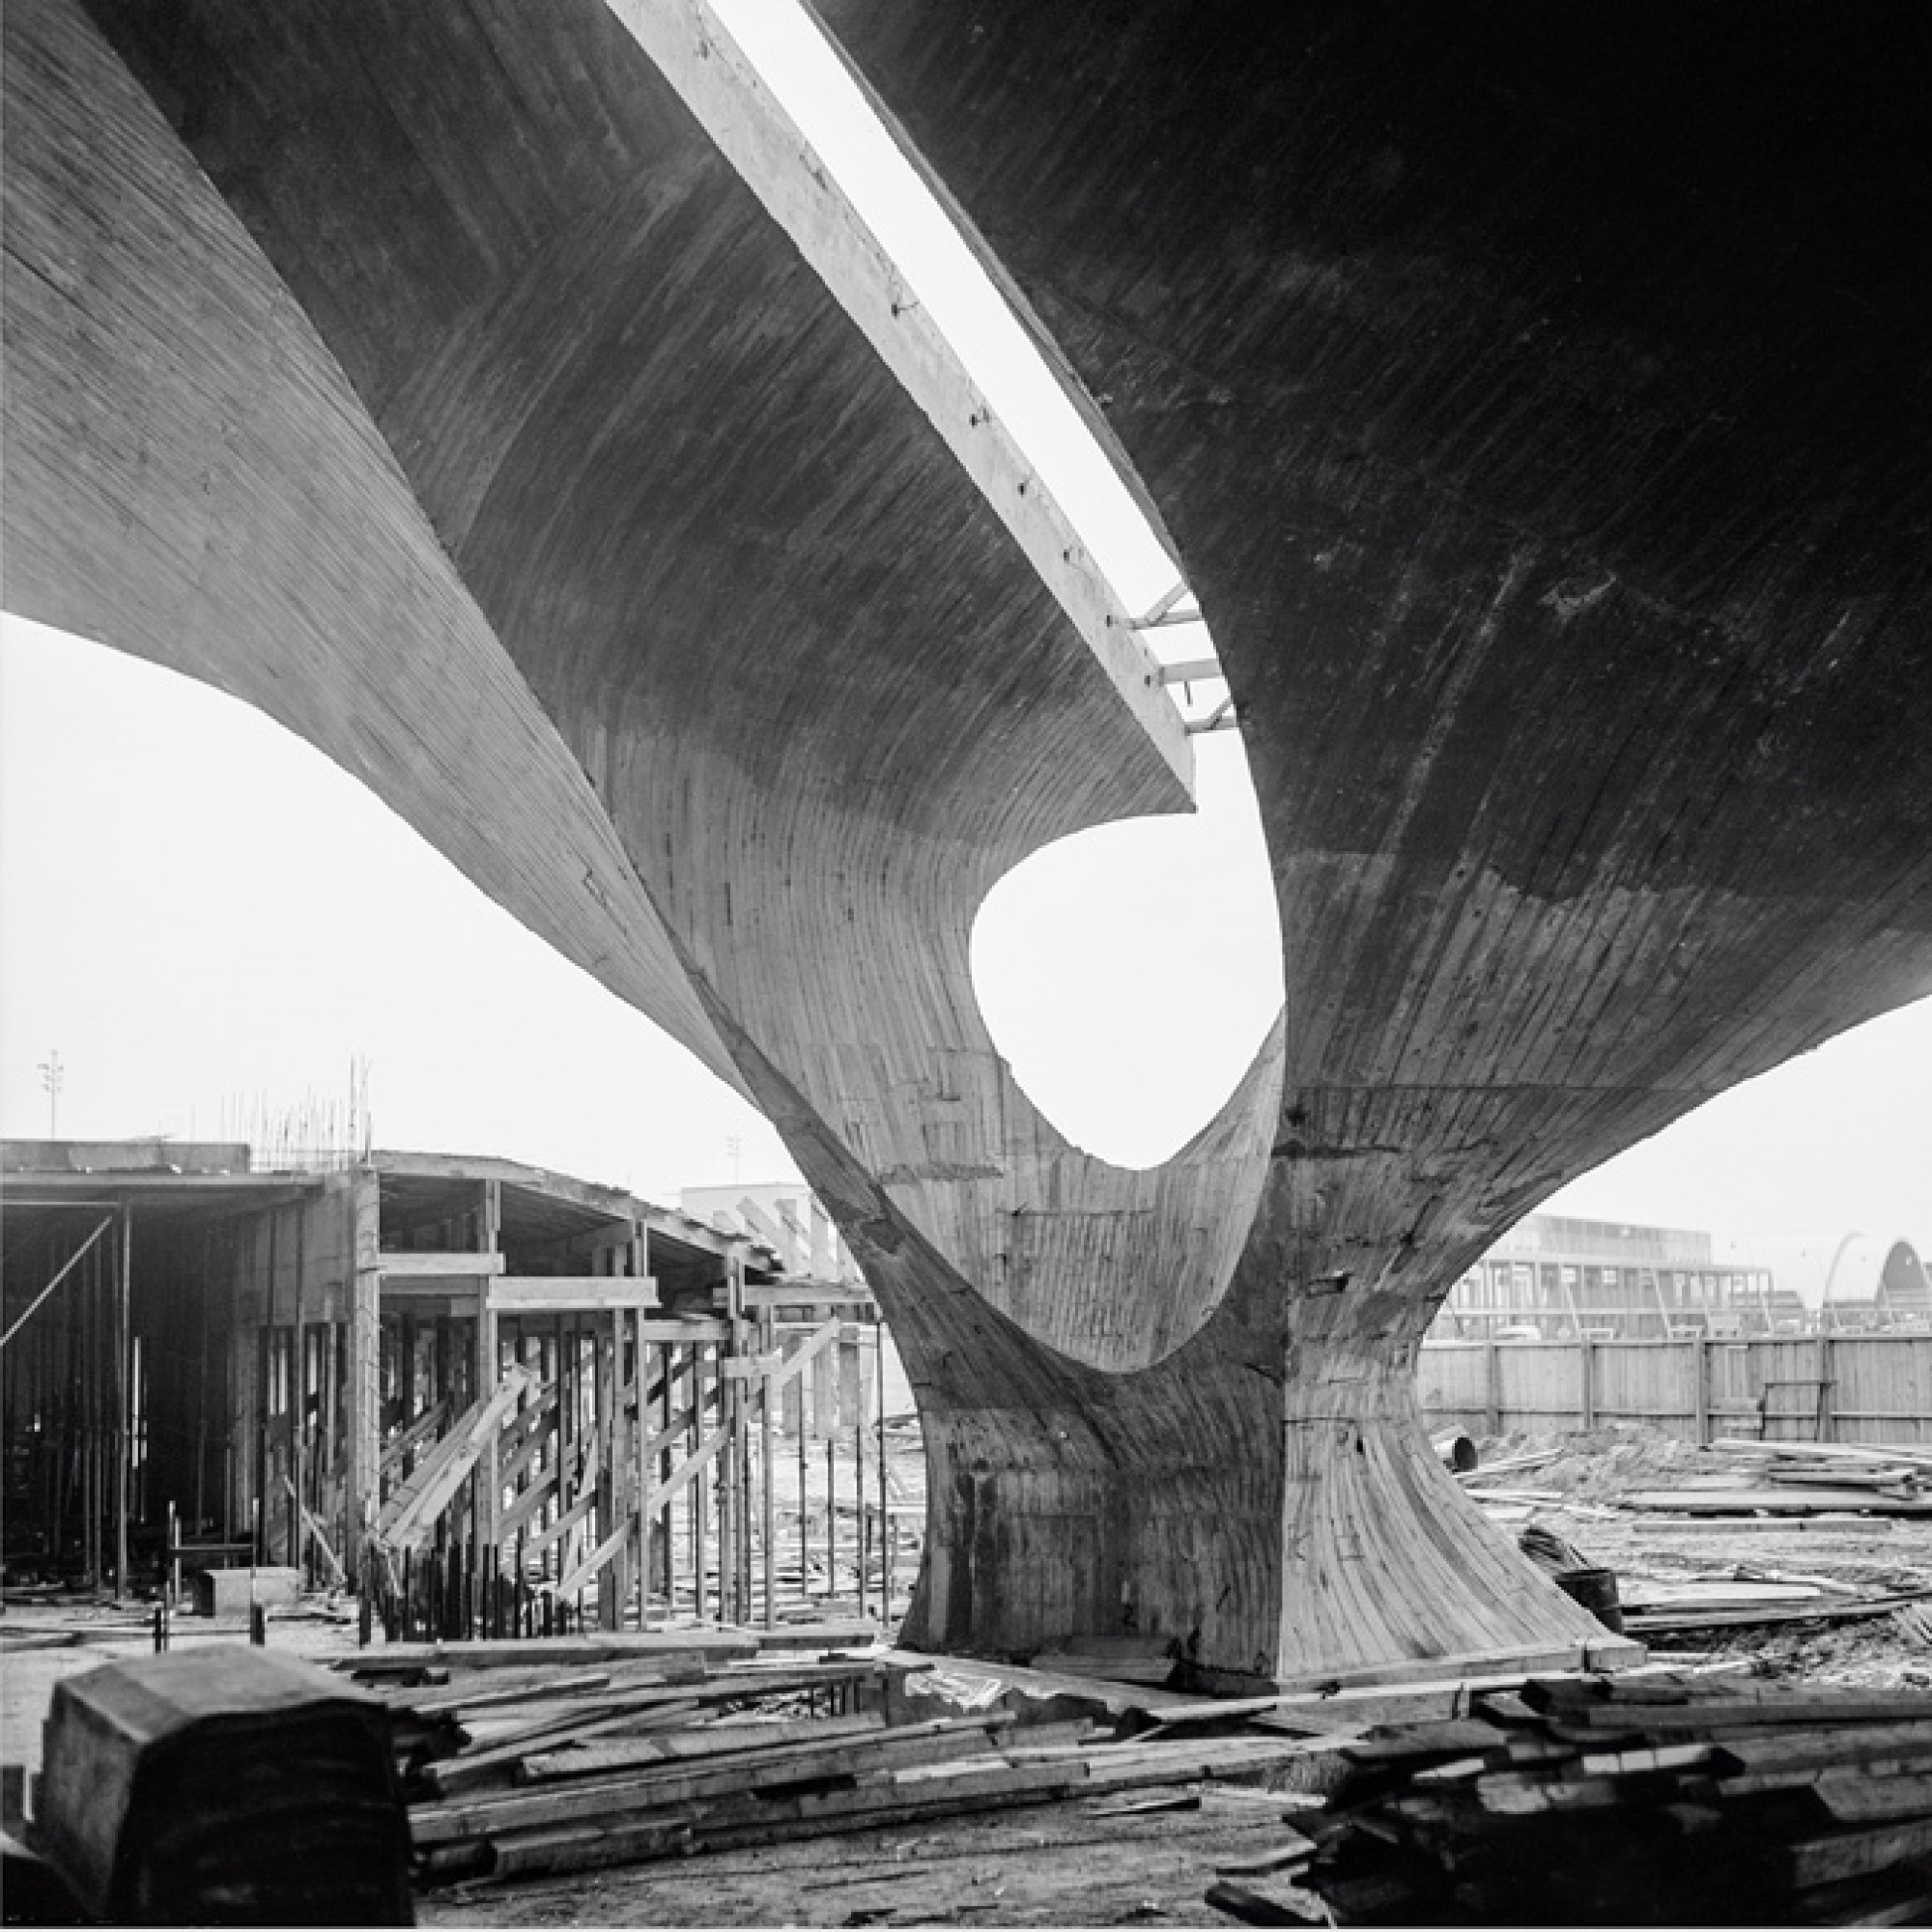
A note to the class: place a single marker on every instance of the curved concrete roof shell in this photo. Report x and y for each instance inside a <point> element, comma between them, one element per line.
<point>1537,415</point>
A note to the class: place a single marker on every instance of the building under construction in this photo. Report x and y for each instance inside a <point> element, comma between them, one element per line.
<point>365,1368</point>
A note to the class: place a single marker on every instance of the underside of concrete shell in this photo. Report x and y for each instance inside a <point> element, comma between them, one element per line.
<point>1535,399</point>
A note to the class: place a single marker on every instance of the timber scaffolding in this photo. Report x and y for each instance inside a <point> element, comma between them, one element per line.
<point>493,1400</point>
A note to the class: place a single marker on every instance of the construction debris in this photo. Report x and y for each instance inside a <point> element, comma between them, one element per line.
<point>515,1766</point>
<point>1657,1801</point>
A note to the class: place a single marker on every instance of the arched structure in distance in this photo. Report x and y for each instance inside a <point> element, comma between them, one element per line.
<point>431,380</point>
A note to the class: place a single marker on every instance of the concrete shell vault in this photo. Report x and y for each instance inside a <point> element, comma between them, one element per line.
<point>1535,402</point>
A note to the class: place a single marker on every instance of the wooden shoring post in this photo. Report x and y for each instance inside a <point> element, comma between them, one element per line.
<point>1492,1387</point>
<point>797,1412</point>
<point>831,1516</point>
<point>767,1348</point>
<point>604,1347</point>
<point>824,1398</point>
<point>103,1403</point>
<point>723,1523</point>
<point>884,1497</point>
<point>698,1582</point>
<point>1586,1360</point>
<point>297,1393</point>
<point>265,1356</point>
<point>738,1447</point>
<point>123,1357</point>
<point>668,1516</point>
<point>486,1496</point>
<point>791,1408</point>
<point>231,1434</point>
<point>852,1410</point>
<point>651,1424</point>
<point>1700,1363</point>
<point>554,1362</point>
<point>627,1433</point>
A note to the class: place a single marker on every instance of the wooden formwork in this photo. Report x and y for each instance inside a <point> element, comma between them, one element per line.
<point>614,1466</point>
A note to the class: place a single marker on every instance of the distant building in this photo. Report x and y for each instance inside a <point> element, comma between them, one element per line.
<point>1555,1277</point>
<point>1853,1280</point>
<point>786,1217</point>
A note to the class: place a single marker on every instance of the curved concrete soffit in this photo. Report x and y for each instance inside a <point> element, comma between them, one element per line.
<point>210,494</point>
<point>220,436</point>
<point>696,53</point>
<point>1022,1229</point>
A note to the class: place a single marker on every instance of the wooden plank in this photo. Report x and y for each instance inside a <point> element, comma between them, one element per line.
<point>696,1646</point>
<point>686,1472</point>
<point>571,1294</point>
<point>1773,1500</point>
<point>682,1783</point>
<point>1257,1908</point>
<point>590,1565</point>
<point>1831,1745</point>
<point>400,1268</point>
<point>717,1741</point>
<point>518,1513</point>
<point>814,1345</point>
<point>485,1765</point>
<point>683,1328</point>
<point>562,1526</point>
<point>767,1819</point>
<point>1706,1715</point>
<point>410,1515</point>
<point>1293,1849</point>
<point>1853,1798</point>
<point>1827,1451</point>
<point>1825,1609</point>
<point>811,1295</point>
<point>425,1424</point>
<point>1841,1855</point>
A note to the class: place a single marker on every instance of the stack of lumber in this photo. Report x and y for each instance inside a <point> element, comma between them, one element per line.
<point>1689,1801</point>
<point>1801,1480</point>
<point>589,1757</point>
<point>1655,1607</point>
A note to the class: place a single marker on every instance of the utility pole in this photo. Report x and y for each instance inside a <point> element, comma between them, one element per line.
<point>53,1076</point>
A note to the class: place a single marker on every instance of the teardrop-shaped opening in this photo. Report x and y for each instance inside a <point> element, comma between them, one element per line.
<point>1130,973</point>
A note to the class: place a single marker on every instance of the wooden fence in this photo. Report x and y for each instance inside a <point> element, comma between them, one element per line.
<point>1862,1388</point>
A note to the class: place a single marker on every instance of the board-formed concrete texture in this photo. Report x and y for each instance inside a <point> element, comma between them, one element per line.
<point>1535,399</point>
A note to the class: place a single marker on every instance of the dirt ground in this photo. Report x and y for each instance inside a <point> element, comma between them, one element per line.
<point>1875,1554</point>
<point>1069,1862</point>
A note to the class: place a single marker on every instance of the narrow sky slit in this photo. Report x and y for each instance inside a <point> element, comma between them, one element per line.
<point>816,89</point>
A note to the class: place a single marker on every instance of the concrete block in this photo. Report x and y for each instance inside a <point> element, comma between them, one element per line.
<point>225,1593</point>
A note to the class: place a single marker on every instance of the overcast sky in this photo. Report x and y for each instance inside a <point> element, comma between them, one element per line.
<point>208,921</point>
